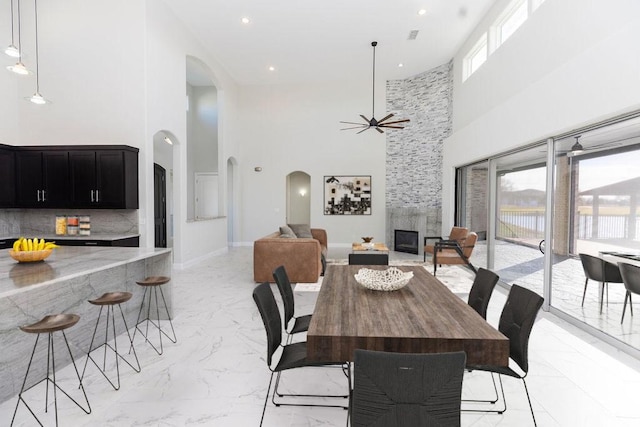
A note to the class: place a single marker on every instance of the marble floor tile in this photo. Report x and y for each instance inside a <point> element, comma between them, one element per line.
<point>216,374</point>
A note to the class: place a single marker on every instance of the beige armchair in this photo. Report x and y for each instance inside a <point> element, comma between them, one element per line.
<point>457,233</point>
<point>452,252</point>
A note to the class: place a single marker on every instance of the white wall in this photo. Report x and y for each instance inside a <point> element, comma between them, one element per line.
<point>168,43</point>
<point>571,63</point>
<point>116,73</point>
<point>296,128</point>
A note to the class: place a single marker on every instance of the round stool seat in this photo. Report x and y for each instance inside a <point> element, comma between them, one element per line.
<point>153,281</point>
<point>51,323</point>
<point>112,298</point>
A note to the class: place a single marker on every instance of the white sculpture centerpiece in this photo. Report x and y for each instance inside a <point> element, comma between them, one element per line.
<point>390,279</point>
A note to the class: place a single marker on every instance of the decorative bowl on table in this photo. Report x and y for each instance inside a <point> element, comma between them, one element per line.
<point>30,256</point>
<point>390,279</point>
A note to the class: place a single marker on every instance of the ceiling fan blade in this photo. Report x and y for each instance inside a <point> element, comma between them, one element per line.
<point>365,119</point>
<point>392,127</point>
<point>379,130</point>
<point>356,123</point>
<point>356,127</point>
<point>386,118</point>
<point>397,121</point>
<point>362,130</point>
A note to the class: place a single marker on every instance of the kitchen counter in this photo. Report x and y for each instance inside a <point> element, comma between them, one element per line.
<point>63,283</point>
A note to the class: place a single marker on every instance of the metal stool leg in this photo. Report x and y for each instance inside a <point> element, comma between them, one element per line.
<point>110,318</point>
<point>148,320</point>
<point>51,367</point>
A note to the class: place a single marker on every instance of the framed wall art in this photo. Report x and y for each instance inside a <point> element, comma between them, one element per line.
<point>347,195</point>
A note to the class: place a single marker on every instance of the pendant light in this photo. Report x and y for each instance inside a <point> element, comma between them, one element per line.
<point>19,67</point>
<point>36,98</point>
<point>12,50</point>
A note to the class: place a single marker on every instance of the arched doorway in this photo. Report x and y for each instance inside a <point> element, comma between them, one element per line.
<point>298,198</point>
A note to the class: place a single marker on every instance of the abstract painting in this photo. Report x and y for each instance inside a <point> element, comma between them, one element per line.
<point>347,195</point>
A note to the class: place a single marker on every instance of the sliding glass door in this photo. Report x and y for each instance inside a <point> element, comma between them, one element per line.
<point>597,192</point>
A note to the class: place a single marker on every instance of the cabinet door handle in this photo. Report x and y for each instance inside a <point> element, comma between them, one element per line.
<point>92,199</point>
<point>43,193</point>
<point>91,243</point>
<point>97,196</point>
<point>38,195</point>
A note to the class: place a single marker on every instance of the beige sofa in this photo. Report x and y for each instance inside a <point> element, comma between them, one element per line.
<point>301,257</point>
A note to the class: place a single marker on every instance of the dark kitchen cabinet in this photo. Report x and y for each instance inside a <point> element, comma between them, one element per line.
<point>42,178</point>
<point>104,178</point>
<point>7,177</point>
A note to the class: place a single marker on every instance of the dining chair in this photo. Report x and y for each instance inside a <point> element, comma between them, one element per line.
<point>292,355</point>
<point>631,276</point>
<point>516,321</point>
<point>457,233</point>
<point>406,389</point>
<point>601,271</point>
<point>300,324</point>
<point>481,290</point>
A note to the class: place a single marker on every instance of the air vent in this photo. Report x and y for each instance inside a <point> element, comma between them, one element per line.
<point>412,35</point>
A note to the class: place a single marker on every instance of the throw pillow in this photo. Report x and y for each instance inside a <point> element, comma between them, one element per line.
<point>287,233</point>
<point>301,230</point>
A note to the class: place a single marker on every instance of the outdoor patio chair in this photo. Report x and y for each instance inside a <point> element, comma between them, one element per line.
<point>601,271</point>
<point>457,233</point>
<point>631,277</point>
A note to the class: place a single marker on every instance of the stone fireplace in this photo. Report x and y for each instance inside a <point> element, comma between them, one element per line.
<point>414,154</point>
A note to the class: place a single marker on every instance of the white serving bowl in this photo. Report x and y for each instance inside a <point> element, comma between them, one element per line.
<point>390,279</point>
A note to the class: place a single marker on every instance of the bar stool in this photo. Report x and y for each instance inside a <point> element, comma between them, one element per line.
<point>50,324</point>
<point>111,299</point>
<point>152,285</point>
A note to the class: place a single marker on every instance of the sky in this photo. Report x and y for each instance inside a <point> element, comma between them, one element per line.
<point>593,172</point>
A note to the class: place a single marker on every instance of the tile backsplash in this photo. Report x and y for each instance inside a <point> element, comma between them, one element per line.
<point>42,221</point>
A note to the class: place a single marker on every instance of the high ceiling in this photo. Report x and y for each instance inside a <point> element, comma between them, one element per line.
<point>328,40</point>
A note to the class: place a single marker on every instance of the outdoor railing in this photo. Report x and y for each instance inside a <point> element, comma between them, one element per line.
<point>525,224</point>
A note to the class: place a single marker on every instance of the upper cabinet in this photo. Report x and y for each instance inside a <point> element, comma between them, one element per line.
<point>42,178</point>
<point>90,177</point>
<point>7,177</point>
<point>104,178</point>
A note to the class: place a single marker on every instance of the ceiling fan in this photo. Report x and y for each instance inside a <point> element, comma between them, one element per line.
<point>373,122</point>
<point>577,148</point>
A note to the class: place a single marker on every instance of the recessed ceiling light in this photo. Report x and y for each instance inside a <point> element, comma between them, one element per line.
<point>422,12</point>
<point>401,65</point>
<point>272,68</point>
<point>245,20</point>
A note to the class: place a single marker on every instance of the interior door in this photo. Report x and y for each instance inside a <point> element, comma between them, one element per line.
<point>160,206</point>
<point>206,195</point>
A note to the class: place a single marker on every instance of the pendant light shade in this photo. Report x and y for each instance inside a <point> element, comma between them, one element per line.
<point>19,68</point>
<point>12,51</point>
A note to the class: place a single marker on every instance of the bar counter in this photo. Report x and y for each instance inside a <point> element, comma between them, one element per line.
<point>62,284</point>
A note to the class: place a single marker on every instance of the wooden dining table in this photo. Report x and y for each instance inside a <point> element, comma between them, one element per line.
<point>422,317</point>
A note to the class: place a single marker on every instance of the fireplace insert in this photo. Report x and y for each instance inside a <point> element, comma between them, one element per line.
<point>405,241</point>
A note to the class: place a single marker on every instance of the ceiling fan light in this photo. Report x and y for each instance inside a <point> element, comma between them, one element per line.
<point>12,51</point>
<point>19,68</point>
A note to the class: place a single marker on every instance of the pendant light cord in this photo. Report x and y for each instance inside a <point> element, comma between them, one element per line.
<point>35,5</point>
<point>12,26</point>
<point>373,82</point>
<point>19,37</point>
